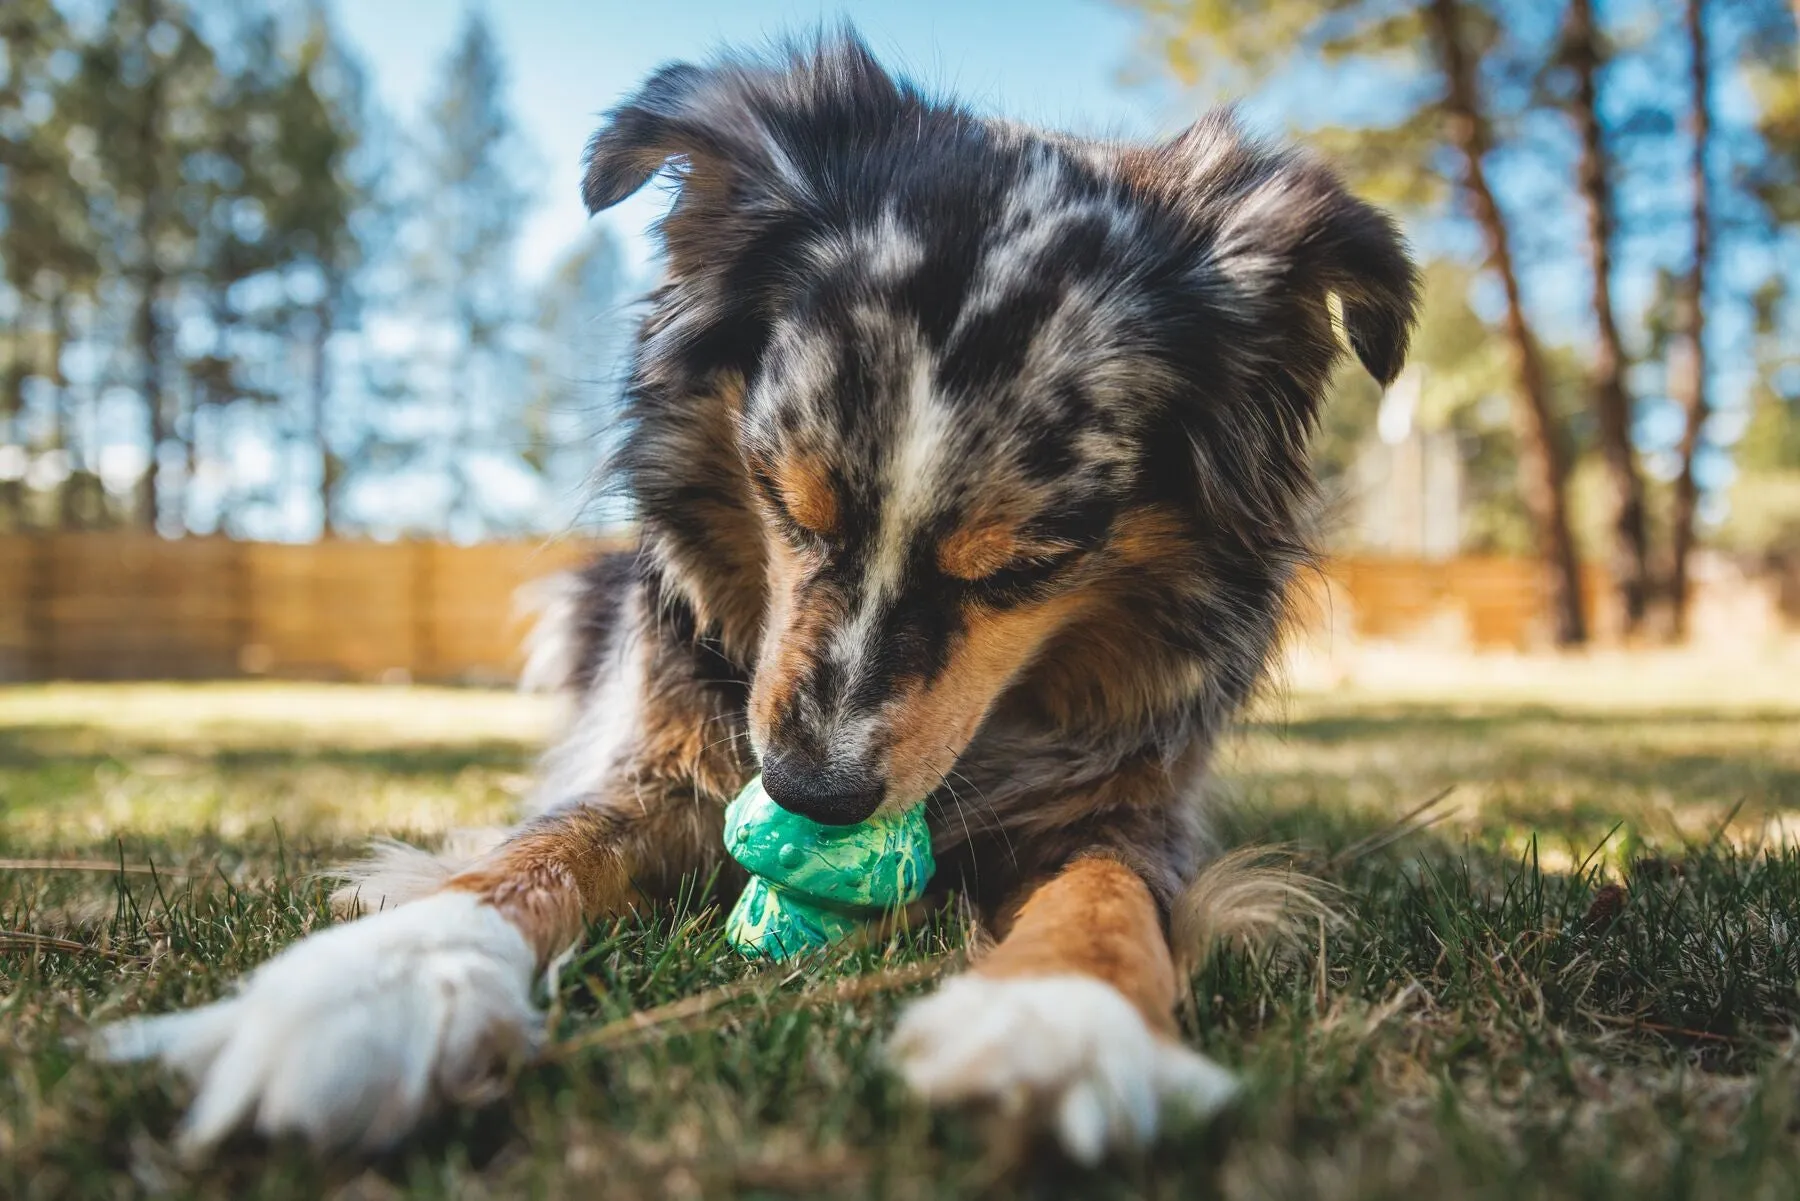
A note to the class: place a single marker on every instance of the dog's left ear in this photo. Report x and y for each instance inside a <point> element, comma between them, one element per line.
<point>1283,224</point>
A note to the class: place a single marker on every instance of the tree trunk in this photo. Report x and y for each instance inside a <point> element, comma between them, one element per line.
<point>146,333</point>
<point>62,414</point>
<point>321,399</point>
<point>1543,464</point>
<point>12,403</point>
<point>1611,403</point>
<point>146,324</point>
<point>1687,367</point>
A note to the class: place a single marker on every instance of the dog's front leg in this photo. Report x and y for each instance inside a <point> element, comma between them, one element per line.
<point>1069,1019</point>
<point>352,1035</point>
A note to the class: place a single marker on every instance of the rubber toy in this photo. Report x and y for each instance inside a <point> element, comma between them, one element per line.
<point>813,884</point>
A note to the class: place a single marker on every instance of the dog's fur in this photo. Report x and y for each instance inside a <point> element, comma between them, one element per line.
<point>971,464</point>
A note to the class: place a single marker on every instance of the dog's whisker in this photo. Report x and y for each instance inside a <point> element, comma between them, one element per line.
<point>999,823</point>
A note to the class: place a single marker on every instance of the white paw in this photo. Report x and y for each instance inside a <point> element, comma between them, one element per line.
<point>352,1035</point>
<point>1070,1048</point>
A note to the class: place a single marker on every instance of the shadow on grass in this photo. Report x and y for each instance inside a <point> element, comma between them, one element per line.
<point>1545,766</point>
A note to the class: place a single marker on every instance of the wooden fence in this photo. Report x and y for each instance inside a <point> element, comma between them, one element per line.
<point>123,606</point>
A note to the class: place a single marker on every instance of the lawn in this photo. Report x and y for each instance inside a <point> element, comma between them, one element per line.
<point>1577,974</point>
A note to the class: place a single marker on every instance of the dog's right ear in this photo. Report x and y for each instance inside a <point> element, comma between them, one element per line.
<point>749,140</point>
<point>719,130</point>
<point>643,134</point>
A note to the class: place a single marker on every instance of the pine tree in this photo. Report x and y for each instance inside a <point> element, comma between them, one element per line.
<point>473,206</point>
<point>147,89</point>
<point>1584,53</point>
<point>46,245</point>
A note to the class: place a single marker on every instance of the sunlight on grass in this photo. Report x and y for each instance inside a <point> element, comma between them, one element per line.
<point>229,714</point>
<point>81,764</point>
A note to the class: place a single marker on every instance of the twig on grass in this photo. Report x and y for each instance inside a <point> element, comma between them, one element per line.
<point>1655,1027</point>
<point>687,1014</point>
<point>91,865</point>
<point>25,940</point>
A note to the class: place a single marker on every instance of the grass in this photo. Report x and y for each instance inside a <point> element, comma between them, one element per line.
<point>1577,976</point>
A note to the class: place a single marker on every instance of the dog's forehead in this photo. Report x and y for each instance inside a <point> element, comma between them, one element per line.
<point>997,324</point>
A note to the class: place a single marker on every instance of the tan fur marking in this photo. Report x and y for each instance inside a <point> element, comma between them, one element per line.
<point>807,494</point>
<point>552,880</point>
<point>929,726</point>
<point>795,634</point>
<point>1103,670</point>
<point>976,551</point>
<point>1096,918</point>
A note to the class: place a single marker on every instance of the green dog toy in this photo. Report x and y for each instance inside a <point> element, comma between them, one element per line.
<point>812,884</point>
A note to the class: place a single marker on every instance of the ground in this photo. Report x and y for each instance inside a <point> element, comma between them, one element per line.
<point>1574,975</point>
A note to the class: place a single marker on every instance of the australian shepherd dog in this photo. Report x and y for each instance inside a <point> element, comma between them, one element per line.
<point>971,464</point>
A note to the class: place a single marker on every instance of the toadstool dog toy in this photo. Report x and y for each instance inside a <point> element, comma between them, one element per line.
<point>813,884</point>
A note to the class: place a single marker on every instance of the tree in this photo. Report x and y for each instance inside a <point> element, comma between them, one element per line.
<point>1435,122</point>
<point>45,242</point>
<point>1630,552</point>
<point>296,104</point>
<point>1543,463</point>
<point>179,215</point>
<point>472,208</point>
<point>575,364</point>
<point>1688,382</point>
<point>147,88</point>
<point>323,107</point>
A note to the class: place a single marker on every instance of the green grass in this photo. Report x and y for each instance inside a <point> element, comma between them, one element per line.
<point>1581,981</point>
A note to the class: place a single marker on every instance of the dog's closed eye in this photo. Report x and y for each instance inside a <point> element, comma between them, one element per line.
<point>999,563</point>
<point>801,498</point>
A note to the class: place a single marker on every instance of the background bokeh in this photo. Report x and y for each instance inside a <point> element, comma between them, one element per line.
<point>283,269</point>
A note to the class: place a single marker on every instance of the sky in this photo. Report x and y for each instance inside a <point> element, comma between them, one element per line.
<point>1051,62</point>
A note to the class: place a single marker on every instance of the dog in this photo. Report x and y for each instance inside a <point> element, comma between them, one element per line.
<point>970,463</point>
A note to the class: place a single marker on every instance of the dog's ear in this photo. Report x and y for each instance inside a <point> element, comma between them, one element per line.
<point>1280,222</point>
<point>644,133</point>
<point>746,133</point>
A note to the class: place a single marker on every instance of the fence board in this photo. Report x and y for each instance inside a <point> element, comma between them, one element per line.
<point>126,606</point>
<point>18,577</point>
<point>118,607</point>
<point>336,609</point>
<point>473,615</point>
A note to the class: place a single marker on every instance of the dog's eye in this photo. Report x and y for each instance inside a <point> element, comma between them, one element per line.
<point>1025,576</point>
<point>804,511</point>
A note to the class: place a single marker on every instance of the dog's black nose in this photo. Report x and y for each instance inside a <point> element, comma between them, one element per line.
<point>831,796</point>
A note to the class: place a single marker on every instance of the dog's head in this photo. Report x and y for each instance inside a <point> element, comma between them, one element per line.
<point>932,408</point>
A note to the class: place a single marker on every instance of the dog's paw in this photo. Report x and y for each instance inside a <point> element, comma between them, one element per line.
<point>1068,1049</point>
<point>351,1036</point>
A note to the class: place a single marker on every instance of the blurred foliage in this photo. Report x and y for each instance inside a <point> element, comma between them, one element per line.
<point>236,296</point>
<point>1357,79</point>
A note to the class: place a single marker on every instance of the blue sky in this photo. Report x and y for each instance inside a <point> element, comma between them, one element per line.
<point>1053,62</point>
